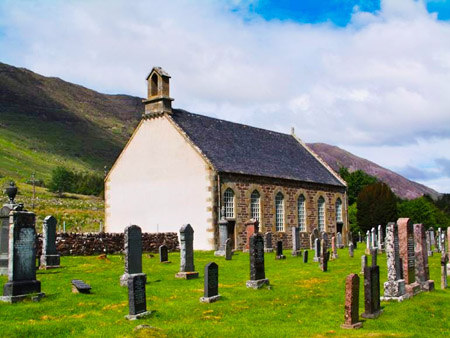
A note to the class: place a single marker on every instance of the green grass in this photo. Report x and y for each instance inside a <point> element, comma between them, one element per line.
<point>302,301</point>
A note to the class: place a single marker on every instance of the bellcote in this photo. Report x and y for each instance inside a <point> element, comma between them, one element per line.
<point>158,100</point>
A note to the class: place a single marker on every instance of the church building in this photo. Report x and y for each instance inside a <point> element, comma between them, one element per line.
<point>179,168</point>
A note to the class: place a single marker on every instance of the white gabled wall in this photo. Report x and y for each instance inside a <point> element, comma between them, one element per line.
<point>160,182</point>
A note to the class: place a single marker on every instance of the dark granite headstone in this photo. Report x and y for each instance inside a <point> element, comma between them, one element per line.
<point>372,292</point>
<point>352,303</point>
<point>280,251</point>
<point>268,242</point>
<point>136,296</point>
<point>163,254</point>
<point>187,268</point>
<point>228,249</point>
<point>211,289</point>
<point>421,259</point>
<point>257,273</point>
<point>50,258</point>
<point>133,252</point>
<point>78,286</point>
<point>305,256</point>
<point>22,258</point>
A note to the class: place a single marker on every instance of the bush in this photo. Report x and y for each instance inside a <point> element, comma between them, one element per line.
<point>65,180</point>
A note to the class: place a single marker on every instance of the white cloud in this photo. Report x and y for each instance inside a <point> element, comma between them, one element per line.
<point>380,83</point>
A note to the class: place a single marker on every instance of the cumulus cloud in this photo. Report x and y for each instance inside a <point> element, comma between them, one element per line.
<point>381,82</point>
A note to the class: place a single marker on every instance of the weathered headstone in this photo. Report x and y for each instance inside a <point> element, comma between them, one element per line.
<point>228,249</point>
<point>257,273</point>
<point>268,242</point>
<point>373,237</point>
<point>324,237</point>
<point>422,271</point>
<point>339,243</point>
<point>380,240</point>
<point>368,243</point>
<point>406,244</point>
<point>314,234</point>
<point>78,286</point>
<point>359,237</point>
<point>137,299</point>
<point>211,288</point>
<point>432,237</point>
<point>334,248</point>
<point>223,235</point>
<point>305,256</point>
<point>444,261</point>
<point>439,242</point>
<point>428,238</point>
<point>296,241</point>
<point>363,263</point>
<point>372,289</point>
<point>252,227</point>
<point>11,191</point>
<point>351,315</point>
<point>280,251</point>
<point>324,257</point>
<point>394,288</point>
<point>350,250</point>
<point>22,259</point>
<point>187,268</point>
<point>163,254</point>
<point>133,252</point>
<point>316,250</point>
<point>50,258</point>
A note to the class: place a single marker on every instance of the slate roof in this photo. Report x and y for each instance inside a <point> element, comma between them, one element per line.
<point>237,148</point>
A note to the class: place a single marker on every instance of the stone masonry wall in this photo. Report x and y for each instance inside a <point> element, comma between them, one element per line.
<point>243,186</point>
<point>74,244</point>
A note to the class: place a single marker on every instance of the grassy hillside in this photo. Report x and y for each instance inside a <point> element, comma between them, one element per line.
<point>46,122</point>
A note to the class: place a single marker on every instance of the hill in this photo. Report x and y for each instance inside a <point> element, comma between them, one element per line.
<point>401,186</point>
<point>46,122</point>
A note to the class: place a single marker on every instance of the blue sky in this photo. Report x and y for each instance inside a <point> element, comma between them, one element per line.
<point>372,77</point>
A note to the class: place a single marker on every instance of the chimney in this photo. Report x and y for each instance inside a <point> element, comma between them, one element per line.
<point>158,100</point>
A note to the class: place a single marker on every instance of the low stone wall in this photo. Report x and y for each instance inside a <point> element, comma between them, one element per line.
<point>75,244</point>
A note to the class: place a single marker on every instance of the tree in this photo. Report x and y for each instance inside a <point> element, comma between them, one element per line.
<point>352,220</point>
<point>376,204</point>
<point>423,210</point>
<point>356,181</point>
<point>62,180</point>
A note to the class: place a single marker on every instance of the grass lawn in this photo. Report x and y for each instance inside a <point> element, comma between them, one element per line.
<point>302,301</point>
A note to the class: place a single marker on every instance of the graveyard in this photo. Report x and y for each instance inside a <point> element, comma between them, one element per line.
<point>301,301</point>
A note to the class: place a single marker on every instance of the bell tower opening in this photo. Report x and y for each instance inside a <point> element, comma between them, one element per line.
<point>154,85</point>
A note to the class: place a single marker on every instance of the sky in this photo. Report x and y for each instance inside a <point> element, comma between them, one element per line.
<point>372,77</point>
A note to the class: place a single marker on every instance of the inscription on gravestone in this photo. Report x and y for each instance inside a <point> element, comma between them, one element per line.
<point>136,296</point>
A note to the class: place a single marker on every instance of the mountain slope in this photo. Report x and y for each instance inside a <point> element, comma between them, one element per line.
<point>45,122</point>
<point>401,186</point>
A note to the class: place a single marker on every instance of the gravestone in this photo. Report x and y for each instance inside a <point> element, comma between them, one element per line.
<point>305,256</point>
<point>324,257</point>
<point>133,252</point>
<point>257,274</point>
<point>380,240</point>
<point>373,237</point>
<point>363,263</point>
<point>137,299</point>
<point>351,315</point>
<point>316,250</point>
<point>268,242</point>
<point>22,259</point>
<point>228,249</point>
<point>339,243</point>
<point>211,287</point>
<point>296,241</point>
<point>78,286</point>
<point>187,268</point>
<point>50,258</point>
<point>334,247</point>
<point>324,237</point>
<point>314,234</point>
<point>359,237</point>
<point>444,261</point>
<point>280,251</point>
<point>368,243</point>
<point>428,238</point>
<point>350,250</point>
<point>252,227</point>
<point>223,234</point>
<point>372,289</point>
<point>11,191</point>
<point>406,245</point>
<point>432,237</point>
<point>422,270</point>
<point>448,247</point>
<point>163,254</point>
<point>394,288</point>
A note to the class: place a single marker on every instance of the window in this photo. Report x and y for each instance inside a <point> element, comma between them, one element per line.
<point>338,210</point>
<point>279,212</point>
<point>228,202</point>
<point>301,213</point>
<point>254,205</point>
<point>321,213</point>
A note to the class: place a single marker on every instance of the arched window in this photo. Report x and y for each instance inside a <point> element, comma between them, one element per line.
<point>338,210</point>
<point>301,213</point>
<point>154,86</point>
<point>279,212</point>
<point>321,213</point>
<point>255,205</point>
<point>228,202</point>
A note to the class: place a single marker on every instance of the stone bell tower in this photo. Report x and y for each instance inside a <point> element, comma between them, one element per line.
<point>158,100</point>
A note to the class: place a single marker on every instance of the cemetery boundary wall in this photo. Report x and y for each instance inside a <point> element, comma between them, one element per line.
<point>86,244</point>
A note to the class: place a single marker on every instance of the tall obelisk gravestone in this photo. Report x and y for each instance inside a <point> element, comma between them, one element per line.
<point>187,268</point>
<point>22,259</point>
<point>394,288</point>
<point>133,253</point>
<point>421,255</point>
<point>50,258</point>
<point>407,255</point>
<point>11,191</point>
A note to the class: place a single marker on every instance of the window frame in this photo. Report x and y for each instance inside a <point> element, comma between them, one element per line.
<point>321,214</point>
<point>301,213</point>
<point>279,212</point>
<point>255,205</point>
<point>227,204</point>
